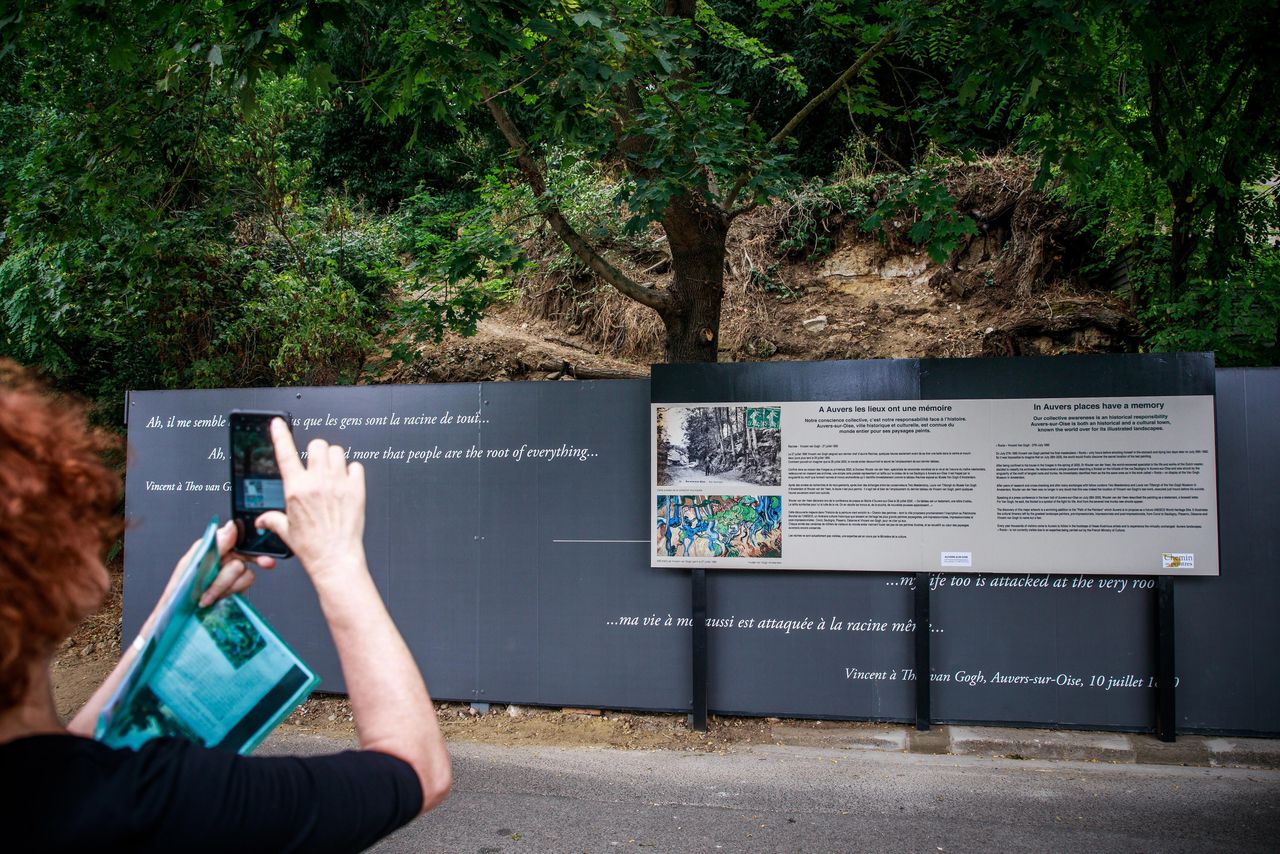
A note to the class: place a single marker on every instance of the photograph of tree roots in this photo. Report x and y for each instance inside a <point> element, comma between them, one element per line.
<point>731,446</point>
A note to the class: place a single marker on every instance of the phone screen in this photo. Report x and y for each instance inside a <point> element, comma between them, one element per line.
<point>256,486</point>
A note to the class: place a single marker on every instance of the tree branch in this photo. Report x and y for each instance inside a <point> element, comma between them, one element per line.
<point>1155,113</point>
<point>1228,91</point>
<point>630,145</point>
<point>817,101</point>
<point>655,299</point>
<point>840,82</point>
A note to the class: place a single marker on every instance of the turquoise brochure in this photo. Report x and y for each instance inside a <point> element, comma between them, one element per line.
<point>218,676</point>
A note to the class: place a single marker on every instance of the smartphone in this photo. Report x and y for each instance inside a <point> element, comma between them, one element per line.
<point>256,485</point>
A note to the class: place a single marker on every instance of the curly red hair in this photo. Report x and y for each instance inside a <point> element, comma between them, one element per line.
<point>58,501</point>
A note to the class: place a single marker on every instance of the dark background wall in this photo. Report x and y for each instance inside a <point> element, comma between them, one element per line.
<point>528,581</point>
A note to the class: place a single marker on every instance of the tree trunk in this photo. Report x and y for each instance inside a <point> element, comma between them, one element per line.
<point>1183,239</point>
<point>1229,247</point>
<point>696,232</point>
<point>721,420</point>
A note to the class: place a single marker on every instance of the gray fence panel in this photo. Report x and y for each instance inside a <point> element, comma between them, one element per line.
<point>163,524</point>
<point>432,545</point>
<point>593,551</point>
<point>1061,639</point>
<point>1228,629</point>
<point>557,604</point>
<point>562,547</point>
<point>514,517</point>
<point>816,672</point>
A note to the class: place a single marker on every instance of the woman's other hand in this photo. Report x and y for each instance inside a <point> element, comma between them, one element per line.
<point>236,573</point>
<point>234,576</point>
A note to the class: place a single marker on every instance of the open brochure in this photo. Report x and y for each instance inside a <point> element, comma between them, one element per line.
<point>219,676</point>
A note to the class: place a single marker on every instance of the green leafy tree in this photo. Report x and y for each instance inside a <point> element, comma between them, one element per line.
<point>160,222</point>
<point>1161,116</point>
<point>629,84</point>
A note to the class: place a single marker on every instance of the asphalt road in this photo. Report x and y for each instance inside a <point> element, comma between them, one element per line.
<point>526,799</point>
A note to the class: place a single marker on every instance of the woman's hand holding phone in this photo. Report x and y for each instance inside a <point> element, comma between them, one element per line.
<point>323,522</point>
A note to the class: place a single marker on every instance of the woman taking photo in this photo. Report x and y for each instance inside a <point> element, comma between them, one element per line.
<point>61,790</point>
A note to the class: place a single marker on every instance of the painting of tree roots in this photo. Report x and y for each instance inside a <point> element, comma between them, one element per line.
<point>720,526</point>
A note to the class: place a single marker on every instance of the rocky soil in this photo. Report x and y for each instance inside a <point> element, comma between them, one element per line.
<point>1015,288</point>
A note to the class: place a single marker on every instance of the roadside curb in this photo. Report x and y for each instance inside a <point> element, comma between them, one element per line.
<point>1042,744</point>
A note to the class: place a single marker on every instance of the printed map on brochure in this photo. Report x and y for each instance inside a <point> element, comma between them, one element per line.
<point>218,676</point>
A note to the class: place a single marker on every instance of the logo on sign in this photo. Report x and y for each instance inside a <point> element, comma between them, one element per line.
<point>1178,560</point>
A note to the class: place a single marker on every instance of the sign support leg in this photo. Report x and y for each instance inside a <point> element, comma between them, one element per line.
<point>1166,675</point>
<point>698,715</point>
<point>922,651</point>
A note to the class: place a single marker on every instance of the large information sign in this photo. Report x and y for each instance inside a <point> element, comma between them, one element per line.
<point>1118,485</point>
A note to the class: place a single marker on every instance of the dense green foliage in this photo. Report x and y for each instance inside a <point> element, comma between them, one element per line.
<point>1160,120</point>
<point>240,192</point>
<point>163,230</point>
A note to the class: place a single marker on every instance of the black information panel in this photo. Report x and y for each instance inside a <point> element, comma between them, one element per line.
<point>510,528</point>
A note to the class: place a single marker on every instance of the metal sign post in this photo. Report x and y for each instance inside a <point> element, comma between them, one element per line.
<point>1166,674</point>
<point>698,713</point>
<point>921,617</point>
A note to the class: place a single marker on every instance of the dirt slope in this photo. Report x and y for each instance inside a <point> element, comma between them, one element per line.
<point>1004,292</point>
